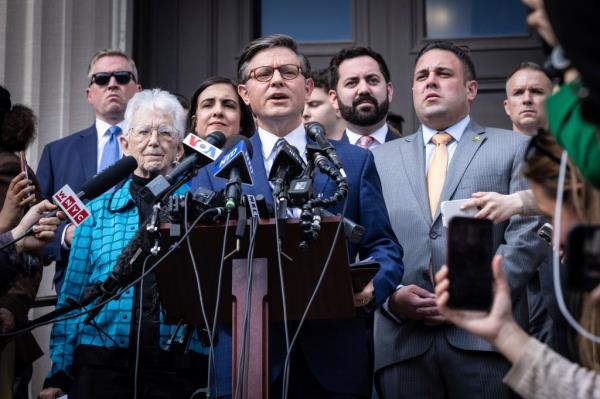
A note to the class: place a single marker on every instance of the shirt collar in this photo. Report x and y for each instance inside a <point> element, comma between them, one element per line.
<point>378,135</point>
<point>296,137</point>
<point>456,130</point>
<point>102,127</point>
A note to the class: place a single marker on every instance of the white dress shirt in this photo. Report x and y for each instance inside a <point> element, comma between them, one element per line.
<point>296,138</point>
<point>379,136</point>
<point>456,131</point>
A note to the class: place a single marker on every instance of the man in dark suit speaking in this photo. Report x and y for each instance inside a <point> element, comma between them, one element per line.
<point>417,353</point>
<point>113,80</point>
<point>330,358</point>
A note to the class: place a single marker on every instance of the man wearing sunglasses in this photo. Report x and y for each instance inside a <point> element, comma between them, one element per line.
<point>112,81</point>
<point>330,357</point>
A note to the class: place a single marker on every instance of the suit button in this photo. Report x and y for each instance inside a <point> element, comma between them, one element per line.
<point>433,235</point>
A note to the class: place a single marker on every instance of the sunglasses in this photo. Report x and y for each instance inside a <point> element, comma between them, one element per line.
<point>102,78</point>
<point>537,147</point>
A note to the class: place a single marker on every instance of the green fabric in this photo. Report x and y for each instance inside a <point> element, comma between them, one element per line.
<point>577,136</point>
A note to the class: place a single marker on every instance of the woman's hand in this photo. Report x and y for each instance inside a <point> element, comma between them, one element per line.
<point>494,206</point>
<point>496,326</point>
<point>538,20</point>
<point>18,196</point>
<point>44,228</point>
<point>50,393</point>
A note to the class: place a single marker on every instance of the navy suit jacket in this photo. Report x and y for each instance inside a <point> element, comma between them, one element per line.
<point>335,350</point>
<point>71,160</point>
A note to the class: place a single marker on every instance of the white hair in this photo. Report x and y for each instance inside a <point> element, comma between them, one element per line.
<point>156,100</point>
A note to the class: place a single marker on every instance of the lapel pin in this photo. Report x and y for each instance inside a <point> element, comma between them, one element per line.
<point>477,138</point>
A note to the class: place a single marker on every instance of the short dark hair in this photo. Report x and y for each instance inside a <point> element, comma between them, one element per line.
<point>353,52</point>
<point>461,52</point>
<point>246,119</point>
<point>529,65</point>
<point>267,42</point>
<point>321,79</point>
<point>18,128</point>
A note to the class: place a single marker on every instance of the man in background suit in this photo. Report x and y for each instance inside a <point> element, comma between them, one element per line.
<point>330,357</point>
<point>362,90</point>
<point>72,160</point>
<point>417,353</point>
<point>318,108</point>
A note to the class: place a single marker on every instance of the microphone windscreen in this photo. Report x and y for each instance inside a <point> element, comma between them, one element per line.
<point>216,138</point>
<point>108,178</point>
<point>233,141</point>
<point>314,130</point>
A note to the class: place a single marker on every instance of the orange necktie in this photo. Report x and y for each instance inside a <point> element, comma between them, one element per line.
<point>437,169</point>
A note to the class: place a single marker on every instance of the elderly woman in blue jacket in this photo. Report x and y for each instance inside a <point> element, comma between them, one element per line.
<point>98,360</point>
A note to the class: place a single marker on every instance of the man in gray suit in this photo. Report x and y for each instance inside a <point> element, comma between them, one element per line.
<point>418,353</point>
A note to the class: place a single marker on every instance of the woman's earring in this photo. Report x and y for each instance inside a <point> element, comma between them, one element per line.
<point>175,162</point>
<point>193,123</point>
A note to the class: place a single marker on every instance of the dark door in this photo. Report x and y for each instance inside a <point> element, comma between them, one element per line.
<point>179,43</point>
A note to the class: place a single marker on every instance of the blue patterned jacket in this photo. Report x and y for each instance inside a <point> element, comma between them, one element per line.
<point>96,245</point>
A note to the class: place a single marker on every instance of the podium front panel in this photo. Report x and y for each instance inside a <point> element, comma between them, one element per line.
<point>178,288</point>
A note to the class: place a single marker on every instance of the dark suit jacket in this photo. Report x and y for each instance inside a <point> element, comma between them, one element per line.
<point>71,160</point>
<point>335,350</point>
<point>388,137</point>
<point>486,159</point>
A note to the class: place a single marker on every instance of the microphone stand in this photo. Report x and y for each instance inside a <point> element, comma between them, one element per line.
<point>311,220</point>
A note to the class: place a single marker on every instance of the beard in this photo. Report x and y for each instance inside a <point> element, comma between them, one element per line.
<point>352,114</point>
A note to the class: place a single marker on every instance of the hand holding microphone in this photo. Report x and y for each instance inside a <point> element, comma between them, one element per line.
<point>43,224</point>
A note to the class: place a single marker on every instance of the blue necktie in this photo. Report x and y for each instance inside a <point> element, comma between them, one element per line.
<point>111,153</point>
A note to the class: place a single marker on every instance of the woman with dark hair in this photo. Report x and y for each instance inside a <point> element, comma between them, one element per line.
<point>17,131</point>
<point>217,106</point>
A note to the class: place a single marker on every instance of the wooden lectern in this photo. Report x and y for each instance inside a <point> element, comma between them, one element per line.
<point>301,270</point>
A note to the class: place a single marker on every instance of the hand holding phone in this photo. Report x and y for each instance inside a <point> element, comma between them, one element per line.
<point>470,254</point>
<point>450,209</point>
<point>25,169</point>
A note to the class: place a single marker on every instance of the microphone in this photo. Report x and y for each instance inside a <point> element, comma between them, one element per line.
<point>236,167</point>
<point>127,268</point>
<point>316,132</point>
<point>108,178</point>
<point>100,183</point>
<point>205,152</point>
<point>287,165</point>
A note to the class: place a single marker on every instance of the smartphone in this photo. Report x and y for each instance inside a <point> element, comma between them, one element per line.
<point>450,209</point>
<point>24,168</point>
<point>583,257</point>
<point>470,253</point>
